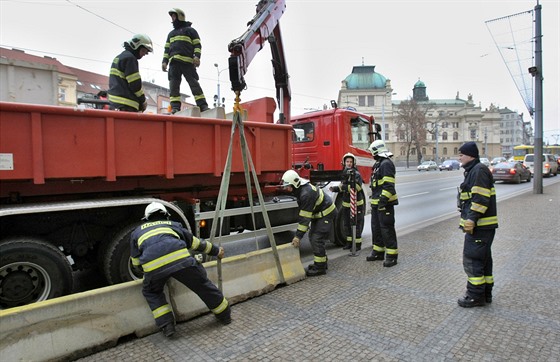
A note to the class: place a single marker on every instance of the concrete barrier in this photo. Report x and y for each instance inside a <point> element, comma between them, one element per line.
<point>80,324</point>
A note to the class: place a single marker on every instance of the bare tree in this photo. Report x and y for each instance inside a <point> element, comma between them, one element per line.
<point>412,126</point>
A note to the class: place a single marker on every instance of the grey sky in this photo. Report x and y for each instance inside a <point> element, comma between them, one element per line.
<point>446,44</point>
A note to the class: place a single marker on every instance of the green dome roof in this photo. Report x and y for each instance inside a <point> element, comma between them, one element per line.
<point>419,84</point>
<point>365,77</point>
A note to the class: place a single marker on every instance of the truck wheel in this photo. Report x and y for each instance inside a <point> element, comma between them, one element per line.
<point>114,257</point>
<point>32,271</point>
<point>339,235</point>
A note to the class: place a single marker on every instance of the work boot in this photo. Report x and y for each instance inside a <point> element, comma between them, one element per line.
<point>390,262</point>
<point>312,265</point>
<point>347,246</point>
<point>168,330</point>
<point>488,298</point>
<point>358,246</point>
<point>204,108</point>
<point>316,269</point>
<point>375,256</point>
<point>225,320</point>
<point>468,302</point>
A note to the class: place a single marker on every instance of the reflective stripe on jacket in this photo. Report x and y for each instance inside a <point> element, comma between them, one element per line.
<point>125,84</point>
<point>478,196</point>
<point>182,44</point>
<point>382,183</point>
<point>313,204</point>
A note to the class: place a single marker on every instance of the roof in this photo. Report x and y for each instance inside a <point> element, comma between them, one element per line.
<point>89,82</point>
<point>365,77</point>
<point>17,54</point>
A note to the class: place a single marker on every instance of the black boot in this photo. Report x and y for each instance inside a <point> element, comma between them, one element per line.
<point>390,262</point>
<point>347,246</point>
<point>168,330</point>
<point>358,246</point>
<point>316,269</point>
<point>375,256</point>
<point>468,302</point>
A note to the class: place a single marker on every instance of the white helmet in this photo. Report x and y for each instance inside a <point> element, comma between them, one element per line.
<point>180,13</point>
<point>378,148</point>
<point>139,40</point>
<point>154,207</point>
<point>291,178</point>
<point>349,155</point>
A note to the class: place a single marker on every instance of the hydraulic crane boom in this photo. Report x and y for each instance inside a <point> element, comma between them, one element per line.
<point>264,26</point>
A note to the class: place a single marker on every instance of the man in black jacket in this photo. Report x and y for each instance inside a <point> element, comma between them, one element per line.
<point>479,221</point>
<point>182,54</point>
<point>316,214</point>
<point>161,248</point>
<point>125,85</point>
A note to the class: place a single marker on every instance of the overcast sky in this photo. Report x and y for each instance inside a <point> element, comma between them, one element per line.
<point>446,44</point>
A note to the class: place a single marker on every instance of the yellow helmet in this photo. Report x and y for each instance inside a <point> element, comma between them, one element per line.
<point>180,13</point>
<point>139,40</point>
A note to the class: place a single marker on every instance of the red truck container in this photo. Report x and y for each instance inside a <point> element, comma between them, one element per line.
<point>74,183</point>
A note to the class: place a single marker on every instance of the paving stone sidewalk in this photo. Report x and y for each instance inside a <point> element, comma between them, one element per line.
<point>361,311</point>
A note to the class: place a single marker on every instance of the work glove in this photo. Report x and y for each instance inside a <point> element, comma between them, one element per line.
<point>196,62</point>
<point>164,67</point>
<point>221,253</point>
<point>295,242</point>
<point>144,106</point>
<point>468,226</point>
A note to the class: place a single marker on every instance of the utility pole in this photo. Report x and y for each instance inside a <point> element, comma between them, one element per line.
<point>537,73</point>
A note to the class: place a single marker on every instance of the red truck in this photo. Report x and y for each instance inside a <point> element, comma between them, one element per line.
<point>74,182</point>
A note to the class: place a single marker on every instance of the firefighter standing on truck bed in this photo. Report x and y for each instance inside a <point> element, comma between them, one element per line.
<point>182,54</point>
<point>316,214</point>
<point>479,221</point>
<point>125,85</point>
<point>383,201</point>
<point>350,170</point>
<point>160,247</point>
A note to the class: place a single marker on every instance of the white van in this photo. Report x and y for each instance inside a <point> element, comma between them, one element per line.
<point>549,167</point>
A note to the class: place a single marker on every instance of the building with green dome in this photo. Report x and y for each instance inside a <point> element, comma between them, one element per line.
<point>449,122</point>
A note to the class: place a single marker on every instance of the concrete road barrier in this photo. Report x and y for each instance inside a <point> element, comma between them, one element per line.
<point>79,324</point>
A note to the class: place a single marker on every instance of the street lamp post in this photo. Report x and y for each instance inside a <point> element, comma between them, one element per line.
<point>218,101</point>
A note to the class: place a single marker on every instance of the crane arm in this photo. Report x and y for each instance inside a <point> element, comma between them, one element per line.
<point>263,27</point>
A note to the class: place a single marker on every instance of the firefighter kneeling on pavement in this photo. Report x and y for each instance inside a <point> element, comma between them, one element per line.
<point>316,214</point>
<point>161,248</point>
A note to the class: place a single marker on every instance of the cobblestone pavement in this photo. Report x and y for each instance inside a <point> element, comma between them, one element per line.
<point>361,311</point>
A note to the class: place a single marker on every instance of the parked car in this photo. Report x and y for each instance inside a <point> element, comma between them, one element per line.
<point>427,166</point>
<point>511,172</point>
<point>450,165</point>
<point>497,160</point>
<point>485,161</point>
<point>549,164</point>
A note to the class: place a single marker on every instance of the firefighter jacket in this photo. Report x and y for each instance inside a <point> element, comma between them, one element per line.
<point>182,44</point>
<point>477,196</point>
<point>161,247</point>
<point>125,84</point>
<point>313,204</point>
<point>346,186</point>
<point>383,192</point>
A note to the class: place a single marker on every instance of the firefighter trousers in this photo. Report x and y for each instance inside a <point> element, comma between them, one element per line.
<point>319,234</point>
<point>193,277</point>
<point>383,232</point>
<point>477,262</point>
<point>177,70</point>
<point>348,223</point>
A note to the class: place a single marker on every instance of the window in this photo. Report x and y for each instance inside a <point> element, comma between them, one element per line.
<point>444,125</point>
<point>62,94</point>
<point>370,101</point>
<point>433,136</point>
<point>445,151</point>
<point>303,132</point>
<point>444,136</point>
<point>362,101</point>
<point>455,136</point>
<point>360,132</point>
<point>455,151</point>
<point>473,134</point>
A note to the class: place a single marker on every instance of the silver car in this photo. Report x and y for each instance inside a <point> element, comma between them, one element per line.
<point>427,166</point>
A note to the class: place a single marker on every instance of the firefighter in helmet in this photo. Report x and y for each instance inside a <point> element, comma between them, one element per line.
<point>125,85</point>
<point>383,202</point>
<point>349,173</point>
<point>161,248</point>
<point>182,55</point>
<point>316,215</point>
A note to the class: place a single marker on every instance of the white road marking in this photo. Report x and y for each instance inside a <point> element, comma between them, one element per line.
<point>421,193</point>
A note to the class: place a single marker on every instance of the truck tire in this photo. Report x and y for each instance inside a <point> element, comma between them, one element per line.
<point>339,235</point>
<point>114,257</point>
<point>32,271</point>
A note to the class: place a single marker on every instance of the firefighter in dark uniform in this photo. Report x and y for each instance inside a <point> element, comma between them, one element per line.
<point>350,170</point>
<point>125,85</point>
<point>316,214</point>
<point>182,54</point>
<point>383,201</point>
<point>479,221</point>
<point>160,247</point>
